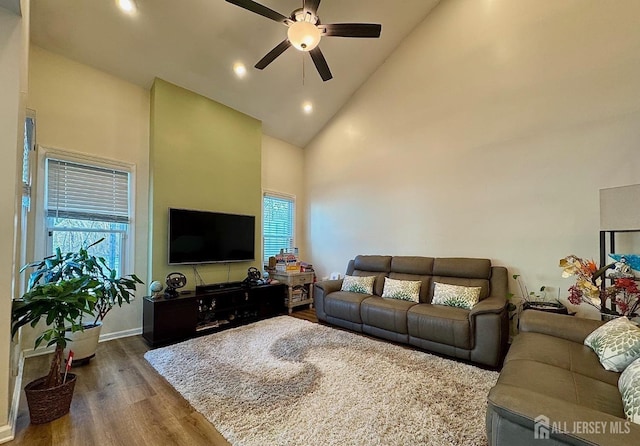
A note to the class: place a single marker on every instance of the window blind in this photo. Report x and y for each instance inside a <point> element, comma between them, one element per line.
<point>278,221</point>
<point>86,192</point>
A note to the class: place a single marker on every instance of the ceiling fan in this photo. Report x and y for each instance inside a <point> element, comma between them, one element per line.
<point>305,31</point>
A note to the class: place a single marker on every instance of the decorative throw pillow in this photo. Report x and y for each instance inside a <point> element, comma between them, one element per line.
<point>629,386</point>
<point>617,343</point>
<point>402,289</point>
<point>455,295</point>
<point>358,284</point>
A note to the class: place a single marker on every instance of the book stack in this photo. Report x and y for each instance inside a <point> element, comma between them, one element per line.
<point>287,263</point>
<point>299,294</point>
<point>306,267</point>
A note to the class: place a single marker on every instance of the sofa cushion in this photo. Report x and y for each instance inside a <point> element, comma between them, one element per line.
<point>562,384</point>
<point>356,284</point>
<point>629,386</point>
<point>425,286</point>
<point>437,323</point>
<point>561,353</point>
<point>344,305</point>
<point>617,343</point>
<point>388,314</point>
<point>455,295</point>
<point>461,281</point>
<point>402,289</point>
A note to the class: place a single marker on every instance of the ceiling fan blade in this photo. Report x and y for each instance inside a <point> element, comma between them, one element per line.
<point>271,55</point>
<point>351,30</point>
<point>311,5</point>
<point>321,64</point>
<point>259,9</point>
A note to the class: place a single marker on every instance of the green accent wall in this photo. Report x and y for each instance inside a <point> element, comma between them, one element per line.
<point>203,156</point>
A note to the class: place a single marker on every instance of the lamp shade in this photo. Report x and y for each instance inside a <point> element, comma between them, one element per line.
<point>620,208</point>
<point>304,36</point>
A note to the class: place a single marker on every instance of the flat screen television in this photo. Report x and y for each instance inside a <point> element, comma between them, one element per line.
<point>210,237</point>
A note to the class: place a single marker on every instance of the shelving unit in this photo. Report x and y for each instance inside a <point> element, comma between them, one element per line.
<point>209,309</point>
<point>608,246</point>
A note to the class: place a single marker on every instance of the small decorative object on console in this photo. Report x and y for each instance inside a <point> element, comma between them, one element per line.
<point>174,281</point>
<point>156,288</point>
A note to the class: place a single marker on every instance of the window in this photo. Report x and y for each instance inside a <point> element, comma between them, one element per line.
<point>84,203</point>
<point>278,223</point>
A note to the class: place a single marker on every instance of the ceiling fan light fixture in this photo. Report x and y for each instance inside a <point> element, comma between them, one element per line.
<point>239,69</point>
<point>127,6</point>
<point>304,36</point>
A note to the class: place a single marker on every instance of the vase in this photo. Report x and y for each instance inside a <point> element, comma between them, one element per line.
<point>46,405</point>
<point>606,317</point>
<point>83,343</point>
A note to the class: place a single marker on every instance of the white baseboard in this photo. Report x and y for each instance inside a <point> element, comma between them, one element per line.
<point>8,432</point>
<point>30,352</point>
<point>120,334</point>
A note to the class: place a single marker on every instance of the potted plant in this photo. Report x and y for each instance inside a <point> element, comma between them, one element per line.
<point>109,291</point>
<point>61,304</point>
<point>63,290</point>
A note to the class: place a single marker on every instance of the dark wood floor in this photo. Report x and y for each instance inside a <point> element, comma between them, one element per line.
<point>120,400</point>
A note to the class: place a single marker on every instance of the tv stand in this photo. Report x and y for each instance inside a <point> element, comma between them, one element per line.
<point>208,309</point>
<point>203,289</point>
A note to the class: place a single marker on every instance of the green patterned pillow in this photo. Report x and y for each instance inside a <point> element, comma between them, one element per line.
<point>358,284</point>
<point>455,295</point>
<point>617,343</point>
<point>402,289</point>
<point>629,386</point>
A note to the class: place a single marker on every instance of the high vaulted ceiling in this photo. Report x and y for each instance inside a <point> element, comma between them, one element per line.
<point>195,43</point>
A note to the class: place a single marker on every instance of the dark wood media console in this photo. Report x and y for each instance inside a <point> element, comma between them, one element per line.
<point>209,309</point>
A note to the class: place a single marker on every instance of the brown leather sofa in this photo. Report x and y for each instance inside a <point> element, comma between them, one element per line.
<point>551,385</point>
<point>479,335</point>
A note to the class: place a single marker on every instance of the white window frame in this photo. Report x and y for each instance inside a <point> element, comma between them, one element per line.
<point>284,196</point>
<point>42,245</point>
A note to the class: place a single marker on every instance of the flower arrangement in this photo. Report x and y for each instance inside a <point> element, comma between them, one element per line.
<point>623,293</point>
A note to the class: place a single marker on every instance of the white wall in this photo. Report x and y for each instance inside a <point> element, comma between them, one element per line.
<point>487,133</point>
<point>12,37</point>
<point>283,171</point>
<point>84,110</point>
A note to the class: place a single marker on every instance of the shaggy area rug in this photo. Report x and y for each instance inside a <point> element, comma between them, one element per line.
<point>285,381</point>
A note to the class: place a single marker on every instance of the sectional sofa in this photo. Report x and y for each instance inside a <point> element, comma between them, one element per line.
<point>478,334</point>
<point>552,389</point>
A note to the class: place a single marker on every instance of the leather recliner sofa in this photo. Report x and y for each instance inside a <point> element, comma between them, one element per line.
<point>479,335</point>
<point>552,389</point>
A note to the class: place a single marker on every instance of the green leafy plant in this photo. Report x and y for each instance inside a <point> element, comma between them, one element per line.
<point>108,289</point>
<point>62,290</point>
<point>527,296</point>
<point>61,304</point>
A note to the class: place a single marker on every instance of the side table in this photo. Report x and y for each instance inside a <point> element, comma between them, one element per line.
<point>294,280</point>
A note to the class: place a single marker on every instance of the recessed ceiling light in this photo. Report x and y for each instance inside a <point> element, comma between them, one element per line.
<point>307,107</point>
<point>127,6</point>
<point>239,69</point>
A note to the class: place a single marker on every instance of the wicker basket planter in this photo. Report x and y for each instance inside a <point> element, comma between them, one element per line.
<point>46,405</point>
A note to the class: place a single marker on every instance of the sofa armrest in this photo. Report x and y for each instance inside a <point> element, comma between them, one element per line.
<point>492,304</point>
<point>329,286</point>
<point>562,326</point>
<point>515,406</point>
